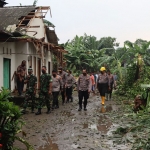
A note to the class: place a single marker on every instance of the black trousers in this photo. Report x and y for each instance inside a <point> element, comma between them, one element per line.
<point>111,89</point>
<point>102,87</point>
<point>85,95</point>
<point>69,93</point>
<point>20,85</point>
<point>63,95</point>
<point>55,98</point>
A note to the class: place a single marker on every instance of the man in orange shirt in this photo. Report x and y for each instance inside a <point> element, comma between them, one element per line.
<point>93,82</point>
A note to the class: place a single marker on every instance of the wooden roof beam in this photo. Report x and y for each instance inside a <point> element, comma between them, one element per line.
<point>29,26</point>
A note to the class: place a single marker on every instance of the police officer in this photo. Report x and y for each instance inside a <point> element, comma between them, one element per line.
<point>112,82</point>
<point>84,88</point>
<point>45,91</point>
<point>56,86</point>
<point>63,76</point>
<point>70,80</point>
<point>31,81</point>
<point>103,83</point>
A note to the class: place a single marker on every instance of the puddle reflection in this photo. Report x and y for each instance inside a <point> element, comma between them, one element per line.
<point>104,109</point>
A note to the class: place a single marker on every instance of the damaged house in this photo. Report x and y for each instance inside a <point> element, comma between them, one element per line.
<point>25,35</point>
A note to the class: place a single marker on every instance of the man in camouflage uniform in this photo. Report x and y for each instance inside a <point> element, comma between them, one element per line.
<point>31,81</point>
<point>45,91</point>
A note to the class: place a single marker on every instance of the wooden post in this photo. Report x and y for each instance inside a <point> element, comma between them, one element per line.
<point>42,55</point>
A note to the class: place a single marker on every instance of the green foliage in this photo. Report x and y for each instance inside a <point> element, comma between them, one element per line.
<point>35,2</point>
<point>10,120</point>
<point>135,129</point>
<point>48,23</point>
<point>83,53</point>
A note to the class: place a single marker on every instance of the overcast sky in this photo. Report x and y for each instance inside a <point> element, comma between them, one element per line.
<point>122,19</point>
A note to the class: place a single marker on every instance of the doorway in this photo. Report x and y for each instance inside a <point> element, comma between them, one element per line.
<point>6,73</point>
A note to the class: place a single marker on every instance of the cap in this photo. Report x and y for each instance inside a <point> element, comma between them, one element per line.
<point>102,69</point>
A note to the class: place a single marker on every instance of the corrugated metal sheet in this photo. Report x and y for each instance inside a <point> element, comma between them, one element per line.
<point>11,15</point>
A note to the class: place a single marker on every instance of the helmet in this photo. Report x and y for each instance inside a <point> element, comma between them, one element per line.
<point>102,69</point>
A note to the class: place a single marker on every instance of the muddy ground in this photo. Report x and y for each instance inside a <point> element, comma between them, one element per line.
<point>67,129</point>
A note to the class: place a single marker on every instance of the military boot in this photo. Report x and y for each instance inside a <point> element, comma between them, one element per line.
<point>80,108</point>
<point>23,111</point>
<point>48,111</point>
<point>32,109</point>
<point>38,112</point>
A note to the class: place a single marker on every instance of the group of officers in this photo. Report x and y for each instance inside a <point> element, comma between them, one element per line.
<point>62,82</point>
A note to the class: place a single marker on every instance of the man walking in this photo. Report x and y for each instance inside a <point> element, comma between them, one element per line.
<point>103,84</point>
<point>21,72</point>
<point>45,91</point>
<point>31,81</point>
<point>56,86</point>
<point>112,81</point>
<point>63,76</point>
<point>70,80</point>
<point>93,83</point>
<point>84,88</point>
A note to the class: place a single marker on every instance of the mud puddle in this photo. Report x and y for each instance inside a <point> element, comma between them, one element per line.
<point>49,145</point>
<point>68,129</point>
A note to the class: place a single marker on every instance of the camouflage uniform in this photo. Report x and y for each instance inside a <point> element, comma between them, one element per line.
<point>45,80</point>
<point>30,95</point>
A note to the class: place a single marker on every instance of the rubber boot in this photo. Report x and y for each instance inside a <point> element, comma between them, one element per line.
<point>38,112</point>
<point>103,100</point>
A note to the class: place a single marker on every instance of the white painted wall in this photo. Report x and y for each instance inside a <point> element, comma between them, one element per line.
<point>7,47</point>
<point>40,30</point>
<point>20,51</point>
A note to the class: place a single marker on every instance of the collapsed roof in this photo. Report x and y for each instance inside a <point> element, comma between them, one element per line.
<point>16,18</point>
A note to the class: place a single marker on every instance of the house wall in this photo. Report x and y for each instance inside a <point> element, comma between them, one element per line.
<point>12,51</point>
<point>19,51</point>
<point>35,56</point>
<point>7,48</point>
<point>40,30</point>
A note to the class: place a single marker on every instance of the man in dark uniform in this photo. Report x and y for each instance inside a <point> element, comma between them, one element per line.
<point>45,90</point>
<point>70,80</point>
<point>112,82</point>
<point>56,86</point>
<point>84,88</point>
<point>63,77</point>
<point>21,72</point>
<point>31,81</point>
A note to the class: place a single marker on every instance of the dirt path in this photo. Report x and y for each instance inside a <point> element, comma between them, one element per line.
<point>67,129</point>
